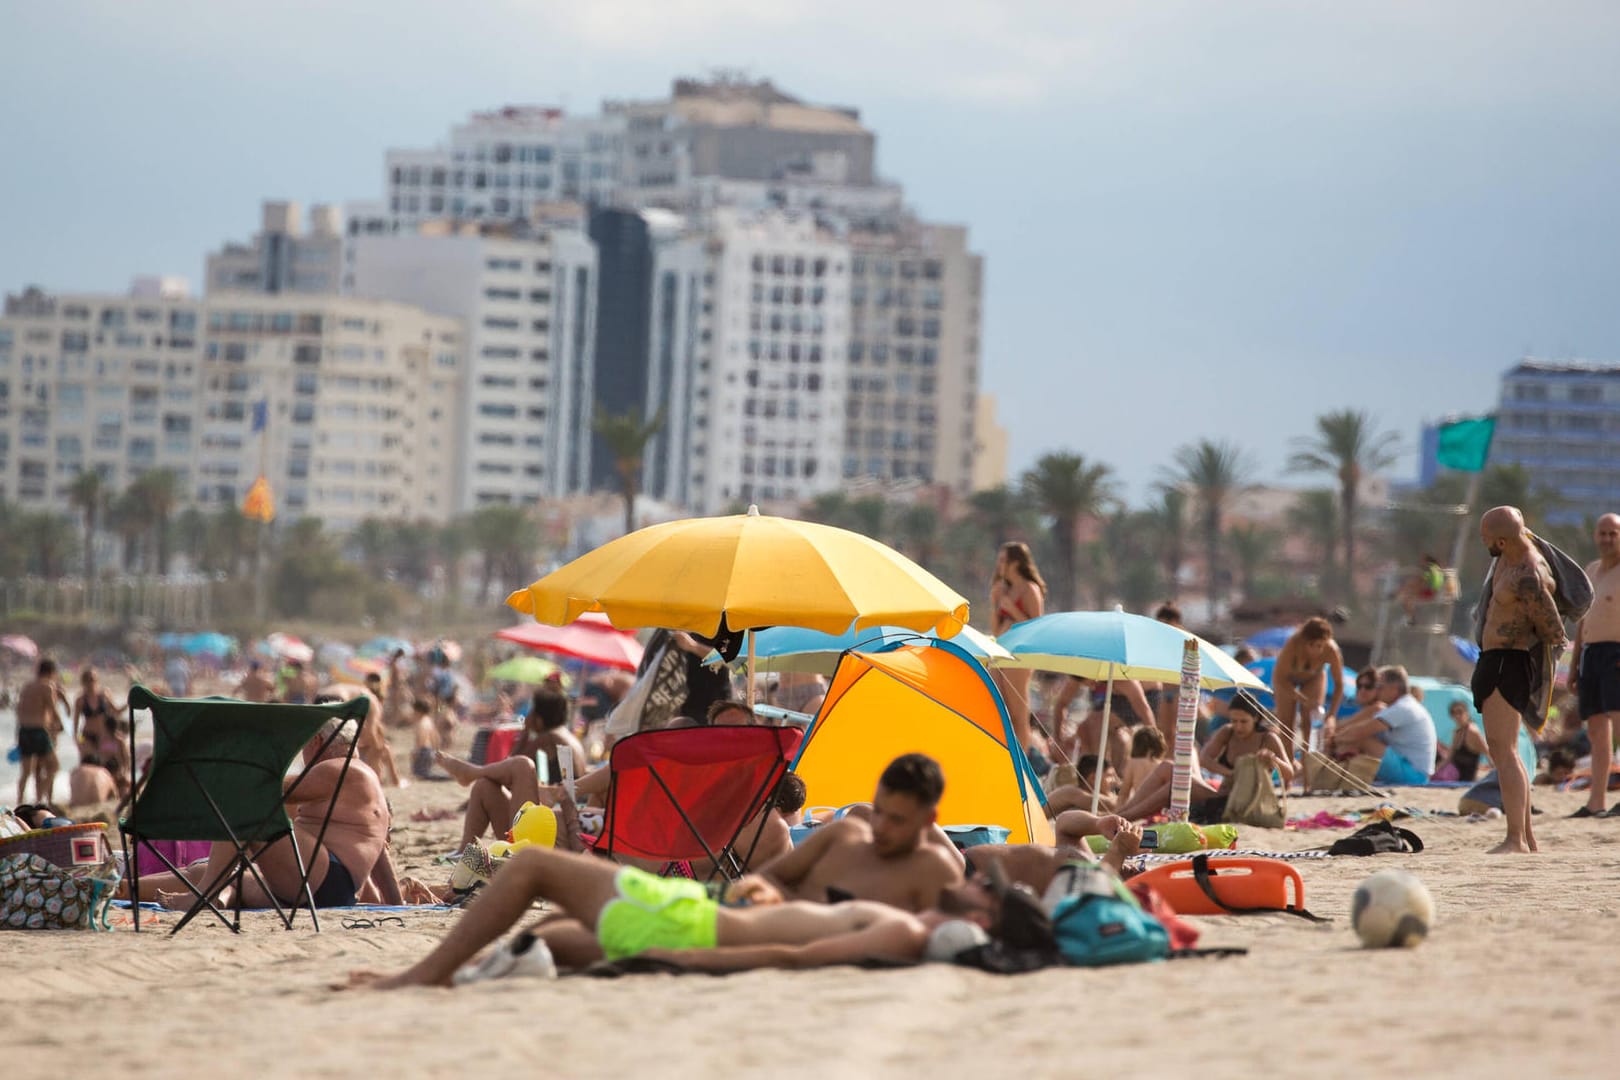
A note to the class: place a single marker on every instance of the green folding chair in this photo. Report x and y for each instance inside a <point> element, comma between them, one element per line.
<point>217,774</point>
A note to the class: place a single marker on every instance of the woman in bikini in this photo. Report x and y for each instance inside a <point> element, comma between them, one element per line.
<point>1245,734</point>
<point>95,726</point>
<point>1017,594</point>
<point>1299,681</point>
<point>1467,743</point>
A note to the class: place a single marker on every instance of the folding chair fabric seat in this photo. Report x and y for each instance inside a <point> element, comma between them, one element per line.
<point>686,794</point>
<point>216,775</point>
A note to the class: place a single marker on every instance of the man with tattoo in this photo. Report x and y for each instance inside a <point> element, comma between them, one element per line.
<point>1594,669</point>
<point>1520,617</point>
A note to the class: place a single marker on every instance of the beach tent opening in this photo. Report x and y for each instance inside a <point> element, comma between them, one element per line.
<point>930,698</point>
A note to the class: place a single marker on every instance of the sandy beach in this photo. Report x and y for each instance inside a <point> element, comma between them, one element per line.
<point>1515,976</point>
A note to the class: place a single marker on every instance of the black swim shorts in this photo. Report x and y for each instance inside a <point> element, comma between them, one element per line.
<point>1505,671</point>
<point>1600,678</point>
<point>34,742</point>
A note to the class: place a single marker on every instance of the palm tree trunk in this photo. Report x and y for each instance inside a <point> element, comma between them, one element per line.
<point>89,545</point>
<point>1349,511</point>
<point>1212,545</point>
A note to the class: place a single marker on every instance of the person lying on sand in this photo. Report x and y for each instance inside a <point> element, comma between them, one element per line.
<point>351,863</point>
<point>887,855</point>
<point>620,911</point>
<point>1035,865</point>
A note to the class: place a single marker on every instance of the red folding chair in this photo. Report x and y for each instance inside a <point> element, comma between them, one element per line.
<point>686,794</point>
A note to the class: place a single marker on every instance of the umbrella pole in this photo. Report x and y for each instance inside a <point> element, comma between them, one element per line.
<point>1102,742</point>
<point>750,671</point>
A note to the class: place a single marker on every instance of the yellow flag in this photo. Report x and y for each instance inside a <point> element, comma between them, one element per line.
<point>259,505</point>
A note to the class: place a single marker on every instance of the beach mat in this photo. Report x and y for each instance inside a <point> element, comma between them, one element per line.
<point>376,909</point>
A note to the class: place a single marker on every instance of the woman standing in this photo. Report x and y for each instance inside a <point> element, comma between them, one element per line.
<point>1017,594</point>
<point>1299,682</point>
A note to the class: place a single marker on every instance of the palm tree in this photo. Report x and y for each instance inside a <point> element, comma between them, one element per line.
<point>1316,514</point>
<point>506,538</point>
<point>50,539</point>
<point>919,529</point>
<point>828,508</point>
<point>1066,488</point>
<point>1169,516</point>
<point>450,543</point>
<point>87,494</point>
<point>869,517</point>
<point>374,537</point>
<point>1252,546</point>
<point>160,490</point>
<point>1345,446</point>
<point>131,518</point>
<point>625,438</point>
<point>1000,510</point>
<point>1217,472</point>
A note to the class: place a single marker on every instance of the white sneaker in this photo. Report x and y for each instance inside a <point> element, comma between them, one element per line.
<point>525,956</point>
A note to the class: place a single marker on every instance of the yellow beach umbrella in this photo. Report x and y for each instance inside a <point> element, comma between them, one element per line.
<point>751,571</point>
<point>745,572</point>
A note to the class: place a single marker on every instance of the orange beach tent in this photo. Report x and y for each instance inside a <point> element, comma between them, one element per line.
<point>931,698</point>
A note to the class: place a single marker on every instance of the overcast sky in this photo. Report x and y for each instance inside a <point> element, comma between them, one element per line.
<point>1200,218</point>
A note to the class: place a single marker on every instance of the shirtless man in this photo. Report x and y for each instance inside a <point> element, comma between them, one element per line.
<point>352,863</point>
<point>255,685</point>
<point>90,784</point>
<point>620,911</point>
<point>1035,865</point>
<point>373,748</point>
<point>887,856</point>
<point>1520,616</point>
<point>38,724</point>
<point>1594,665</point>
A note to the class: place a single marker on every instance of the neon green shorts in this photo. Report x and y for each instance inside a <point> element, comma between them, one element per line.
<point>655,913</point>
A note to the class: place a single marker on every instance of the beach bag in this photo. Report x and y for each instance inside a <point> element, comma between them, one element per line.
<point>1096,921</point>
<point>36,894</point>
<point>1250,798</point>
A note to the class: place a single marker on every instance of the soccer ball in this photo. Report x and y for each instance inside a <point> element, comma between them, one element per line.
<point>1392,909</point>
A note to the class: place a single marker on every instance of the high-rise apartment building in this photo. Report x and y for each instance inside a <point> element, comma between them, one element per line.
<point>108,384</point>
<point>500,165</point>
<point>1560,420</point>
<point>347,406</point>
<point>527,295</point>
<point>282,257</point>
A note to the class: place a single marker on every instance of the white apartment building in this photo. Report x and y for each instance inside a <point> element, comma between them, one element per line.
<point>680,345</point>
<point>282,257</point>
<point>911,411</point>
<point>500,164</point>
<point>102,383</point>
<point>359,400</point>
<point>360,403</point>
<point>780,333</point>
<point>527,297</point>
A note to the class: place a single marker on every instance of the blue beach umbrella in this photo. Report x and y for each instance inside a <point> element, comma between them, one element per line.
<point>1109,645</point>
<point>1274,637</point>
<point>796,649</point>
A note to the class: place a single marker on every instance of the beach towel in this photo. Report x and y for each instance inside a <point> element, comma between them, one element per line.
<point>1572,594</point>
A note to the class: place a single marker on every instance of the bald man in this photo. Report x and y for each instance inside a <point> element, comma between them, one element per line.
<point>1594,666</point>
<point>1520,616</point>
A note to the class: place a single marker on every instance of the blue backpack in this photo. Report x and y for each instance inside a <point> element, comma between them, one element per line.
<point>1096,921</point>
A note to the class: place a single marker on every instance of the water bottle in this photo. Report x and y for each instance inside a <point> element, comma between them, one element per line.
<point>1318,722</point>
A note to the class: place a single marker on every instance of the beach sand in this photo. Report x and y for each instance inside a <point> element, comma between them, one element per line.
<point>1516,976</point>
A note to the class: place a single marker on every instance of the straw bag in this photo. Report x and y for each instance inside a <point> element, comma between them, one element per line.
<point>69,846</point>
<point>57,879</point>
<point>1250,798</point>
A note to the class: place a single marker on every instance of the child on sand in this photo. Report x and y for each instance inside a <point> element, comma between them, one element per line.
<point>1147,750</point>
<point>427,742</point>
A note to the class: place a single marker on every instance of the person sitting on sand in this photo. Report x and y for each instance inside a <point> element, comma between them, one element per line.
<point>1128,709</point>
<point>427,745</point>
<point>1460,760</point>
<point>1246,734</point>
<point>1035,865</point>
<point>884,856</point>
<point>729,712</point>
<point>1401,733</point>
<point>1147,750</point>
<point>351,863</point>
<point>1078,794</point>
<point>255,685</point>
<point>769,834</point>
<point>498,790</point>
<point>90,783</point>
<point>546,730</point>
<point>620,911</point>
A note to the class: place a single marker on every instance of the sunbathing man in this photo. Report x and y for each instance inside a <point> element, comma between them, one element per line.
<point>351,863</point>
<point>889,855</point>
<point>620,911</point>
<point>1035,865</point>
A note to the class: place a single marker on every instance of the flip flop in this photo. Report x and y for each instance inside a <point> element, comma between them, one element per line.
<point>1587,811</point>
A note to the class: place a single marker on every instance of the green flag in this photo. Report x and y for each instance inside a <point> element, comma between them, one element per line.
<point>1465,445</point>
